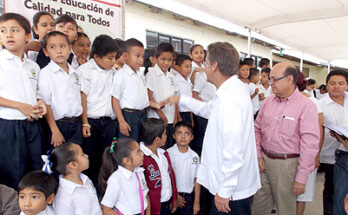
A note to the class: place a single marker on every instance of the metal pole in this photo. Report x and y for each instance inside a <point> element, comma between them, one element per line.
<point>328,67</point>
<point>249,43</point>
<point>301,62</point>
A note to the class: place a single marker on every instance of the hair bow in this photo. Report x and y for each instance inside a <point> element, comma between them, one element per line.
<point>47,164</point>
<point>112,145</point>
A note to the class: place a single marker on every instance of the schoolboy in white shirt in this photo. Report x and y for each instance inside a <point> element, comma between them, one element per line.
<point>185,163</point>
<point>98,128</point>
<point>59,86</point>
<point>20,133</point>
<point>265,88</point>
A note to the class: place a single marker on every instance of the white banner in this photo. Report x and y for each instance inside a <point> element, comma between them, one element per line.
<point>94,16</point>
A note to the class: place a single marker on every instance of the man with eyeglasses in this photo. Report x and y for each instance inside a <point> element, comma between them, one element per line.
<point>287,141</point>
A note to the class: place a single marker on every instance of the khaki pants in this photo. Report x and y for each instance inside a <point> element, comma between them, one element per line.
<point>277,185</point>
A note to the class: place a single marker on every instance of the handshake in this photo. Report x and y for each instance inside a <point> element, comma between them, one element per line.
<point>170,100</point>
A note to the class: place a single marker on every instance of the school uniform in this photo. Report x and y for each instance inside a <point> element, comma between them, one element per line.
<point>162,86</point>
<point>254,101</point>
<point>74,63</point>
<point>96,83</point>
<point>123,191</point>
<point>185,167</point>
<point>76,199</point>
<point>20,139</point>
<point>48,211</point>
<point>184,88</point>
<point>266,92</point>
<point>160,179</point>
<point>130,90</point>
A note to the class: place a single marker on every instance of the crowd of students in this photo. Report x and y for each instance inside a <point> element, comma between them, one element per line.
<point>69,99</point>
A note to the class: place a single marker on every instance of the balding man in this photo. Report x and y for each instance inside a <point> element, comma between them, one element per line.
<point>287,141</point>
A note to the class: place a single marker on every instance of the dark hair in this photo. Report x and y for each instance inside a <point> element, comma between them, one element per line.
<point>337,72</point>
<point>164,47</point>
<point>121,47</point>
<point>65,18</point>
<point>322,87</point>
<point>40,181</point>
<point>266,70</point>
<point>180,59</point>
<point>183,124</point>
<point>242,63</point>
<point>150,129</point>
<point>264,62</point>
<point>111,159</point>
<point>36,19</point>
<point>52,34</point>
<point>61,156</point>
<point>22,21</point>
<point>132,42</point>
<point>194,46</point>
<point>80,34</point>
<point>253,72</point>
<point>290,70</point>
<point>301,83</point>
<point>102,45</point>
<point>249,61</point>
<point>310,82</point>
<point>226,56</point>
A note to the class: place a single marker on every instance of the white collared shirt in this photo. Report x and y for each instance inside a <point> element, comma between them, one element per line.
<point>60,90</point>
<point>76,199</point>
<point>184,88</point>
<point>162,86</point>
<point>255,101</point>
<point>206,91</point>
<point>18,82</point>
<point>122,191</point>
<point>129,88</point>
<point>334,114</point>
<point>48,211</point>
<point>162,162</point>
<point>267,92</point>
<point>74,63</point>
<point>185,167</point>
<point>229,164</point>
<point>96,83</point>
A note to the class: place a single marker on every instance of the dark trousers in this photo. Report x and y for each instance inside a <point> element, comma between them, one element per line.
<point>165,208</point>
<point>186,117</point>
<point>205,201</point>
<point>71,131</point>
<point>103,130</point>
<point>340,183</point>
<point>199,131</point>
<point>188,209</point>
<point>20,150</point>
<point>134,120</point>
<point>328,192</point>
<point>170,140</point>
<point>238,207</point>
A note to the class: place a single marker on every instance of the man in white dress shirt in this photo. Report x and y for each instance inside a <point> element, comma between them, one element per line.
<point>229,168</point>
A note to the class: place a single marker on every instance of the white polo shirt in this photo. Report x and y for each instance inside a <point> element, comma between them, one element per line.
<point>267,92</point>
<point>206,91</point>
<point>255,101</point>
<point>18,82</point>
<point>334,114</point>
<point>122,191</point>
<point>229,163</point>
<point>184,88</point>
<point>76,199</point>
<point>162,162</point>
<point>48,211</point>
<point>130,89</point>
<point>74,63</point>
<point>96,83</point>
<point>60,90</point>
<point>185,167</point>
<point>162,86</point>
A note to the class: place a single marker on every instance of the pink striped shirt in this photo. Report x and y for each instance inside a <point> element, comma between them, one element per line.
<point>289,126</point>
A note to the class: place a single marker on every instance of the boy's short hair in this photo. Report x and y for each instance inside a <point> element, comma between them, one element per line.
<point>337,72</point>
<point>225,55</point>
<point>322,87</point>
<point>65,18</point>
<point>51,34</point>
<point>253,71</point>
<point>102,45</point>
<point>194,46</point>
<point>80,34</point>
<point>164,47</point>
<point>39,180</point>
<point>22,21</point>
<point>120,44</point>
<point>264,62</point>
<point>150,129</point>
<point>249,61</point>
<point>132,42</point>
<point>310,82</point>
<point>183,124</point>
<point>180,59</point>
<point>266,70</point>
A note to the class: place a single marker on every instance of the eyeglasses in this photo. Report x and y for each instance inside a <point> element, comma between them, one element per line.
<point>277,79</point>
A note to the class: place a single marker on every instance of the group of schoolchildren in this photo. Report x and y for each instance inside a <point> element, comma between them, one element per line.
<point>64,97</point>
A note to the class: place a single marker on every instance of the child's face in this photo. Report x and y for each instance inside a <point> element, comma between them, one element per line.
<point>57,49</point>
<point>336,85</point>
<point>183,136</point>
<point>107,61</point>
<point>310,87</point>
<point>185,68</point>
<point>164,61</point>
<point>82,47</point>
<point>197,54</point>
<point>264,78</point>
<point>45,25</point>
<point>256,78</point>
<point>153,61</point>
<point>134,57</point>
<point>137,156</point>
<point>32,202</point>
<point>69,29</point>
<point>81,158</point>
<point>163,139</point>
<point>13,37</point>
<point>244,72</point>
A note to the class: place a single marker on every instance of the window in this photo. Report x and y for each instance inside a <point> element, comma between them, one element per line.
<point>151,39</point>
<point>1,7</point>
<point>187,46</point>
<point>177,44</point>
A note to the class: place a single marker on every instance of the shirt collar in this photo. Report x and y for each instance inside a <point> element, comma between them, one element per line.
<point>129,70</point>
<point>224,85</point>
<point>56,68</point>
<point>294,95</point>
<point>327,99</point>
<point>9,56</point>
<point>181,78</point>
<point>94,65</point>
<point>159,70</point>
<point>71,186</point>
<point>128,174</point>
<point>148,151</point>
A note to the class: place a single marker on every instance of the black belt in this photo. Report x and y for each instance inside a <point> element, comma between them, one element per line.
<point>69,119</point>
<point>340,153</point>
<point>186,194</point>
<point>102,118</point>
<point>129,110</point>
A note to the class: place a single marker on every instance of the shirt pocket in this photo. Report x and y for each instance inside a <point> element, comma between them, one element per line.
<point>288,127</point>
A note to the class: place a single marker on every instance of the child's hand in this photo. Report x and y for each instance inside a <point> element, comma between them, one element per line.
<point>163,117</point>
<point>346,204</point>
<point>256,91</point>
<point>81,58</point>
<point>181,201</point>
<point>199,69</point>
<point>33,46</point>
<point>86,131</point>
<point>173,207</point>
<point>261,96</point>
<point>41,106</point>
<point>196,207</point>
<point>57,138</point>
<point>125,128</point>
<point>29,111</point>
<point>156,105</point>
<point>172,100</point>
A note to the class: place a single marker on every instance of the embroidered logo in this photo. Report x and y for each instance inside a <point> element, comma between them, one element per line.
<point>154,175</point>
<point>33,75</point>
<point>195,160</point>
<point>143,182</point>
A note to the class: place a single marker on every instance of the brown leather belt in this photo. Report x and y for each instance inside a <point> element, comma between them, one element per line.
<point>275,155</point>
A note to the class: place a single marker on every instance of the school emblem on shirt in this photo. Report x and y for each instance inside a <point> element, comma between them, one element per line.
<point>154,175</point>
<point>195,160</point>
<point>143,182</point>
<point>77,81</point>
<point>33,75</point>
<point>171,81</point>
